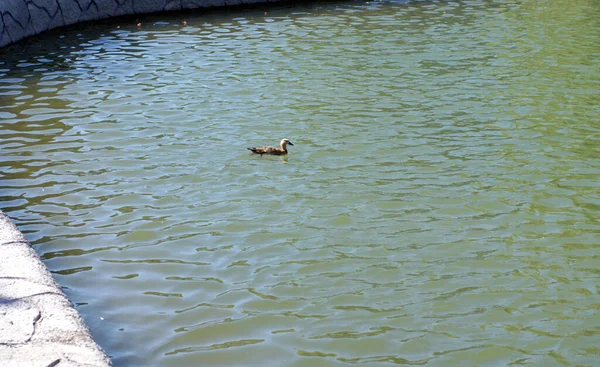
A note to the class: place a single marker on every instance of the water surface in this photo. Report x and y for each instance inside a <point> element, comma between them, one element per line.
<point>440,206</point>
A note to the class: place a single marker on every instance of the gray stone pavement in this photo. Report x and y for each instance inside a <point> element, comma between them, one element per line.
<point>38,324</point>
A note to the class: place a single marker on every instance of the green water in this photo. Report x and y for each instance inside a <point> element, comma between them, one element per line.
<point>440,206</point>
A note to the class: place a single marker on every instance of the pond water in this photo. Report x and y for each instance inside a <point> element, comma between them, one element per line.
<point>440,205</point>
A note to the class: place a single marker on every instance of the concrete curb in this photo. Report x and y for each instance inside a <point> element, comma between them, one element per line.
<point>20,18</point>
<point>38,324</point>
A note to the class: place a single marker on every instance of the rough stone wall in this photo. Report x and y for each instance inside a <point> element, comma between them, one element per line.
<point>23,18</point>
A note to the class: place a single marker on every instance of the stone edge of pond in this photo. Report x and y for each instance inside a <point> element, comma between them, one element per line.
<point>20,19</point>
<point>38,324</point>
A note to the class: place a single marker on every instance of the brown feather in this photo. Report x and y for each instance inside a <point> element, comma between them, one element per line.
<point>272,150</point>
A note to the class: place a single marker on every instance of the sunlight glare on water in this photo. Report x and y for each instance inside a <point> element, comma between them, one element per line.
<point>439,207</point>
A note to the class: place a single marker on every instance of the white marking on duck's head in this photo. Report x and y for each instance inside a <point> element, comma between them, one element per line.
<point>285,142</point>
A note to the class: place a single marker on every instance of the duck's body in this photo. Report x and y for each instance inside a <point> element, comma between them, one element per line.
<point>273,150</point>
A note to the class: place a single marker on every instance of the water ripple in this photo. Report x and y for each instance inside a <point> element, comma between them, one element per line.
<point>439,207</point>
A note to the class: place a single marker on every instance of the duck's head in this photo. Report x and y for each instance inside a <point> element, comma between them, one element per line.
<point>285,142</point>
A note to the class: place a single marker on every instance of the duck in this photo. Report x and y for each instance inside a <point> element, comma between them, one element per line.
<point>273,150</point>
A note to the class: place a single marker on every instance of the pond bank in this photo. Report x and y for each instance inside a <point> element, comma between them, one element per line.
<point>20,18</point>
<point>38,324</point>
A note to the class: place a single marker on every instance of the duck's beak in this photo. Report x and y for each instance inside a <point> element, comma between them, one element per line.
<point>290,143</point>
